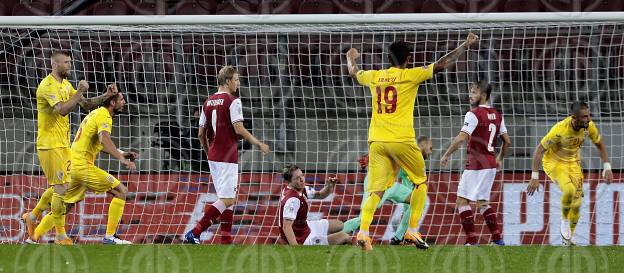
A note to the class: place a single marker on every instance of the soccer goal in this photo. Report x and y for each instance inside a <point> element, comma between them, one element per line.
<point>298,97</point>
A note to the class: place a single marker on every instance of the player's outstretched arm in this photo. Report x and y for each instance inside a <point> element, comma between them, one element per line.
<point>242,131</point>
<point>537,159</point>
<point>607,174</point>
<point>503,150</point>
<point>450,58</point>
<point>109,147</point>
<point>352,56</point>
<point>457,142</point>
<point>92,103</point>
<point>327,189</point>
<point>290,234</point>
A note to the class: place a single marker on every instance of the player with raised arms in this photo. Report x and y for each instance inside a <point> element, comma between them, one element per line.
<point>391,137</point>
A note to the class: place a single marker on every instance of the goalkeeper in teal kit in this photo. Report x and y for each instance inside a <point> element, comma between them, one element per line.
<point>399,193</point>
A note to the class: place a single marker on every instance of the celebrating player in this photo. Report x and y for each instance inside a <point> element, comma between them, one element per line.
<point>482,125</point>
<point>94,136</point>
<point>560,149</point>
<point>221,124</point>
<point>56,98</point>
<point>399,193</point>
<point>295,228</point>
<point>391,135</point>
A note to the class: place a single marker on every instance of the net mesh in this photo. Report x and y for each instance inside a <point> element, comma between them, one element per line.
<point>298,98</point>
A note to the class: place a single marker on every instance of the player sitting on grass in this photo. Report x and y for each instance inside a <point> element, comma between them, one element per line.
<point>295,228</point>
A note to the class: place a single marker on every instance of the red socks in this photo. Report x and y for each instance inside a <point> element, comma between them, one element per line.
<point>467,221</point>
<point>490,220</point>
<point>226,226</point>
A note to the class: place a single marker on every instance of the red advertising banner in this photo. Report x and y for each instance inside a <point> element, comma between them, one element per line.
<point>161,207</point>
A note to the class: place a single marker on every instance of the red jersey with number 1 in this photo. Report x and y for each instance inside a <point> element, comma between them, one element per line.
<point>484,124</point>
<point>219,112</point>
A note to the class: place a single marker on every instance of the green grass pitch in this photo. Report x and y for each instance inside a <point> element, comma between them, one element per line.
<point>276,259</point>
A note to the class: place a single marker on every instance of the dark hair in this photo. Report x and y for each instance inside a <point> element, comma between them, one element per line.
<point>422,138</point>
<point>398,53</point>
<point>484,87</point>
<point>577,106</point>
<point>288,170</point>
<point>60,52</point>
<point>107,102</point>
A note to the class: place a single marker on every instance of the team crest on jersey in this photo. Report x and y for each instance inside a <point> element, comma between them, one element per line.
<point>60,174</point>
<point>110,179</point>
<point>104,126</point>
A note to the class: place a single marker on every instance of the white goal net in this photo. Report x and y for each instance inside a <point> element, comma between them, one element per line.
<point>297,97</point>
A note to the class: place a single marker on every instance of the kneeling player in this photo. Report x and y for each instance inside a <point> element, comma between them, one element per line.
<point>482,125</point>
<point>295,228</point>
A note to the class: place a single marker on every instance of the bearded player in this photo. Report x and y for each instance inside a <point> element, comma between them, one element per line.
<point>562,163</point>
<point>483,125</point>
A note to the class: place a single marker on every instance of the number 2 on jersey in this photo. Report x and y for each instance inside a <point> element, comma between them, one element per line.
<point>492,129</point>
<point>390,91</point>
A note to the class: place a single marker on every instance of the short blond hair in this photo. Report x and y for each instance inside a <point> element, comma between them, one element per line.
<point>226,73</point>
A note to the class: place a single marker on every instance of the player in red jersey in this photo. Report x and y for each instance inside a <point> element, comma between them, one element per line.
<point>221,124</point>
<point>482,125</point>
<point>295,228</point>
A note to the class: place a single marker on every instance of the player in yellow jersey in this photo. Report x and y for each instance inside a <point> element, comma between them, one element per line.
<point>94,136</point>
<point>56,98</point>
<point>391,136</point>
<point>562,163</point>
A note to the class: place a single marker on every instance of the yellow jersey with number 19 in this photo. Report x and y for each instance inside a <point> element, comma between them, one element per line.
<point>87,144</point>
<point>394,94</point>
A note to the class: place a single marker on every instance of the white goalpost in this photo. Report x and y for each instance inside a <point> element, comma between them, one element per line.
<point>298,97</point>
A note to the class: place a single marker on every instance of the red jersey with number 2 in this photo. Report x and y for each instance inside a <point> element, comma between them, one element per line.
<point>484,124</point>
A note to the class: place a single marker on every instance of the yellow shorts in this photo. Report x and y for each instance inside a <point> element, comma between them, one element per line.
<point>55,164</point>
<point>85,178</point>
<point>385,158</point>
<point>564,173</point>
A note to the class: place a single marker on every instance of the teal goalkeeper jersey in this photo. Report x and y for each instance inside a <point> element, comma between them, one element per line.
<point>398,192</point>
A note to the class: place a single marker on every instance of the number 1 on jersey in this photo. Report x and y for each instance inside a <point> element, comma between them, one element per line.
<point>390,91</point>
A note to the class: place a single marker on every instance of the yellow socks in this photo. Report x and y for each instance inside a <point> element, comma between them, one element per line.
<point>44,226</point>
<point>575,213</point>
<point>58,214</point>
<point>567,195</point>
<point>115,211</point>
<point>417,202</point>
<point>44,203</point>
<point>368,211</point>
